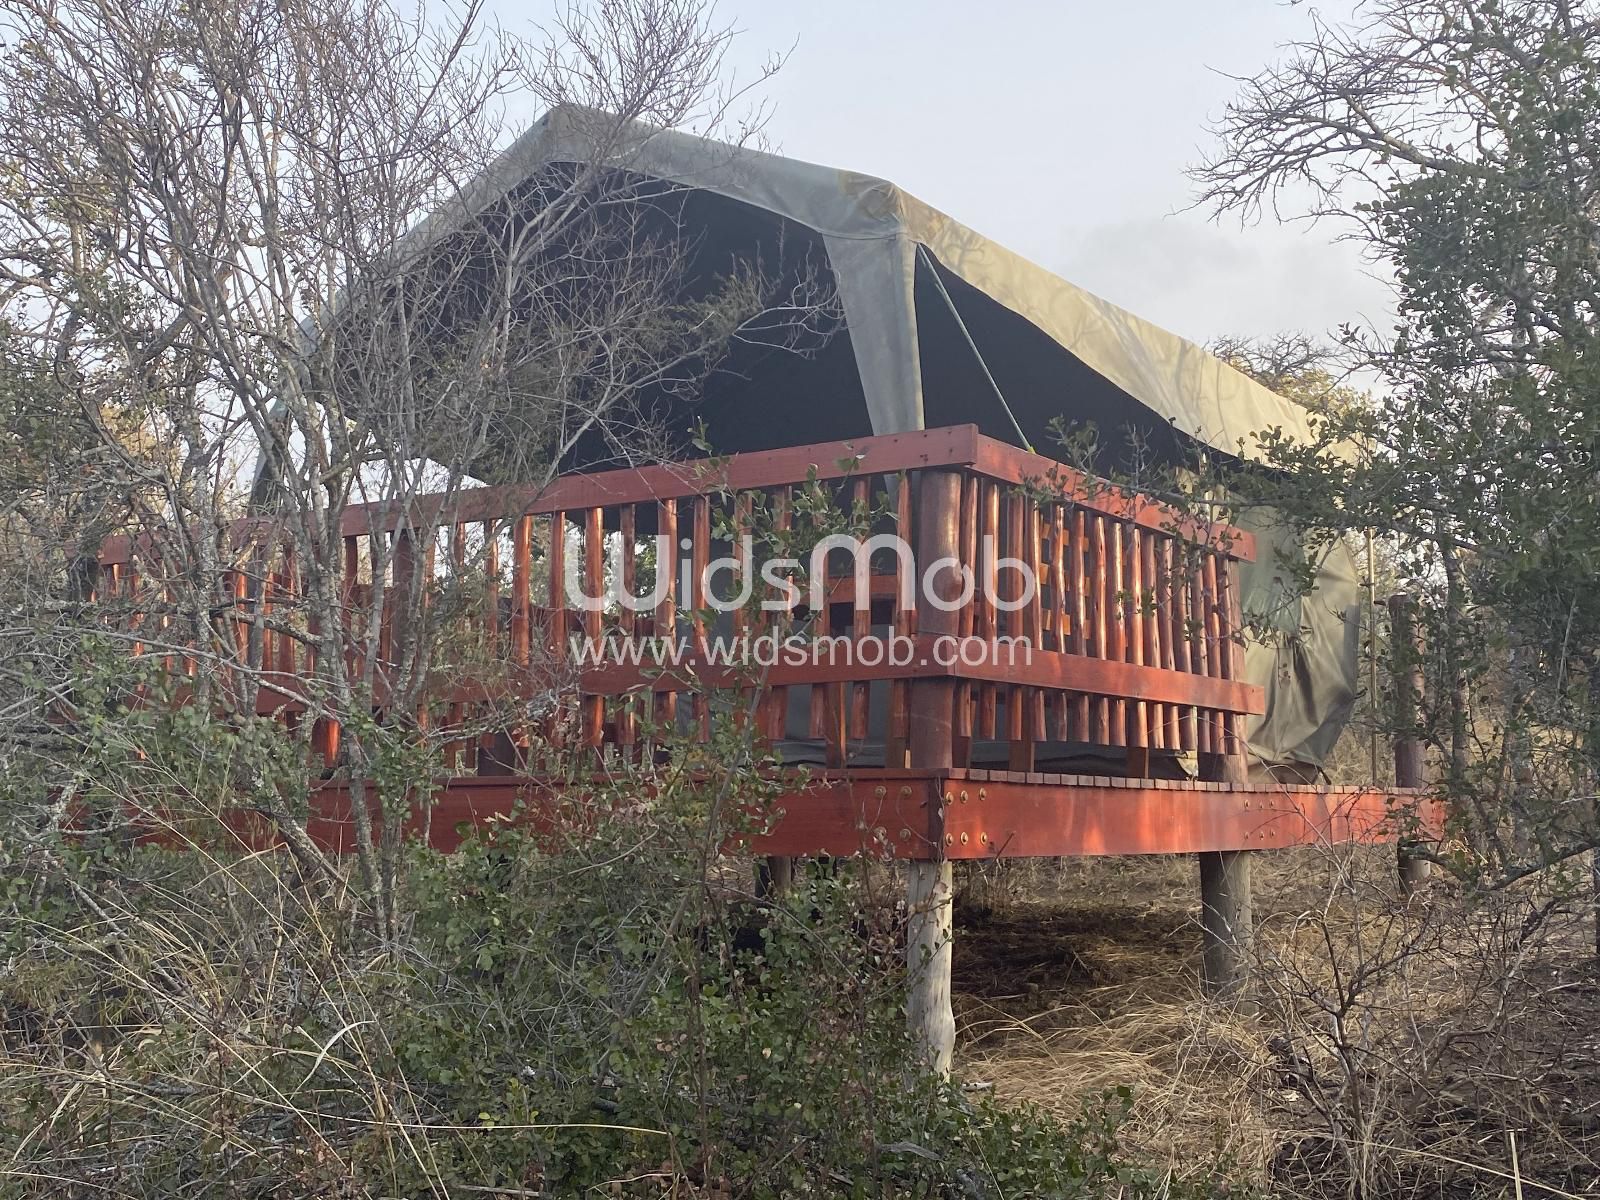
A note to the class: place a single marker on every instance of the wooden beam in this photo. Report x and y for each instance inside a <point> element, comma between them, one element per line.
<point>973,659</point>
<point>989,814</point>
<point>1048,816</point>
<point>887,454</point>
<point>959,446</point>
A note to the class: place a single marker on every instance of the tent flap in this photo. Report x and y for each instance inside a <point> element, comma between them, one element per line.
<point>1308,662</point>
<point>876,279</point>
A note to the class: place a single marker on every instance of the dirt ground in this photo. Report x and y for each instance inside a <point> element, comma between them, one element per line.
<point>1448,1049</point>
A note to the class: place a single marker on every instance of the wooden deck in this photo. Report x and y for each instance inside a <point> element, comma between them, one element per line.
<point>960,815</point>
<point>1121,730</point>
<point>1132,639</point>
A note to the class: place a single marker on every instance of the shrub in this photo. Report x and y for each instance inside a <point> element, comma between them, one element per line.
<point>558,1017</point>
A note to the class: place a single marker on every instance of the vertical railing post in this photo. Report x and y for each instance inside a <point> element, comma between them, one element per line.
<point>1405,651</point>
<point>593,707</point>
<point>932,710</point>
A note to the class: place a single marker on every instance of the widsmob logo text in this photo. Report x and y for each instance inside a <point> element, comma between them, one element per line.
<point>795,650</point>
<point>782,593</point>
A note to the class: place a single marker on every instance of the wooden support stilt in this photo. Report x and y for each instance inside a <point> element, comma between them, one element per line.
<point>929,941</point>
<point>1225,910</point>
<point>1405,647</point>
<point>777,876</point>
<point>928,882</point>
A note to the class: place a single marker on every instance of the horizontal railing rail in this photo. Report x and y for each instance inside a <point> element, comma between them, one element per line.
<point>1131,633</point>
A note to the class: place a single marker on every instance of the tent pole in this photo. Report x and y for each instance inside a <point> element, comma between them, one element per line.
<point>922,252</point>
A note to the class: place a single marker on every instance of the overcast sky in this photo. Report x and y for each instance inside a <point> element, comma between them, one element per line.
<point>1062,130</point>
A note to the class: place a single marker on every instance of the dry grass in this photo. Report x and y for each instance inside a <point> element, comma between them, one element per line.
<point>1081,979</point>
<point>1392,1051</point>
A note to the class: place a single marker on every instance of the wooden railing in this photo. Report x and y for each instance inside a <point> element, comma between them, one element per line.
<point>1131,634</point>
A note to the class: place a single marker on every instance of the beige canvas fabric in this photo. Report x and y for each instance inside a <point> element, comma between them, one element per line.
<point>871,229</point>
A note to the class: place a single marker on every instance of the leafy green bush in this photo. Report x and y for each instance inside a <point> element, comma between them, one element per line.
<point>558,1018</point>
<point>593,999</point>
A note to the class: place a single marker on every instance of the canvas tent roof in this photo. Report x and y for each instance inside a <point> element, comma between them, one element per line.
<point>871,231</point>
<point>915,286</point>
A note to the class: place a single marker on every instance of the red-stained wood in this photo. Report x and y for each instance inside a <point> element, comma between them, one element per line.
<point>324,732</point>
<point>1152,616</point>
<point>483,756</point>
<point>1187,736</point>
<point>418,602</point>
<point>1020,745</point>
<point>325,741</point>
<point>1053,577</point>
<point>1133,623</point>
<point>427,573</point>
<point>1116,660</point>
<point>469,626</point>
<point>402,595</point>
<point>1216,652</point>
<point>777,697</point>
<point>557,631</point>
<point>1169,602</point>
<point>240,580</point>
<point>1099,586</point>
<point>1199,647</point>
<point>479,751</point>
<point>456,750</point>
<point>746,698</point>
<point>522,590</point>
<point>1116,624</point>
<point>960,446</point>
<point>381,592</point>
<point>664,705</point>
<point>817,697</point>
<point>1079,815</point>
<point>352,611</point>
<point>1053,612</point>
<point>932,746</point>
<point>1012,464</point>
<point>970,536</point>
<point>128,584</point>
<point>966,697</point>
<point>279,650</point>
<point>627,620</point>
<point>992,661</point>
<point>1078,617</point>
<point>932,716</point>
<point>164,628</point>
<point>699,560</point>
<point>986,625</point>
<point>897,739</point>
<point>491,586</point>
<point>593,714</point>
<point>885,814</point>
<point>886,454</point>
<point>1033,539</point>
<point>861,617</point>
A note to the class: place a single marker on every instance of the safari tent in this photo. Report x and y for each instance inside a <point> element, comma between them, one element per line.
<point>942,326</point>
